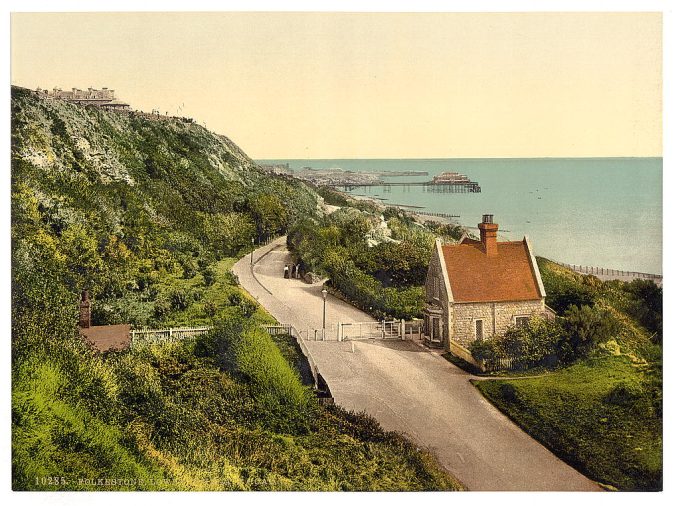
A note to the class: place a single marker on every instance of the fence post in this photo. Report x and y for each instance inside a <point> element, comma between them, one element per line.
<point>402,329</point>
<point>339,331</point>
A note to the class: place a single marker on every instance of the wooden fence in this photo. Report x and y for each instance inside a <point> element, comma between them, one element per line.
<point>154,336</point>
<point>500,364</point>
<point>616,273</point>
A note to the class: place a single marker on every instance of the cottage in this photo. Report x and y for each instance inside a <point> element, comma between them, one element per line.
<point>476,289</point>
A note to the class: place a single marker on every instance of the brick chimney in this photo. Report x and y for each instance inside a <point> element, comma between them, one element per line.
<point>487,234</point>
<point>85,308</point>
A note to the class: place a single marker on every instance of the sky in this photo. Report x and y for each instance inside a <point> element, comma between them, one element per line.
<point>370,85</point>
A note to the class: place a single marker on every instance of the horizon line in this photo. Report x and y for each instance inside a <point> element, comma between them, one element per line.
<point>476,158</point>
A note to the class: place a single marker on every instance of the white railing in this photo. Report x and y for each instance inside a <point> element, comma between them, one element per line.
<point>603,271</point>
<point>386,329</point>
<point>140,336</point>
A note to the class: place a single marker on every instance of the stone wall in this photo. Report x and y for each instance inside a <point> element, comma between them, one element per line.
<point>436,296</point>
<point>496,317</point>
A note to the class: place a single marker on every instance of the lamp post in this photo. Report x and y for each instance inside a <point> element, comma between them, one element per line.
<point>324,292</point>
<point>252,241</point>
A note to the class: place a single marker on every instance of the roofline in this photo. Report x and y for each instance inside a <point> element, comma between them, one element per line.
<point>445,271</point>
<point>496,301</point>
<point>534,267</point>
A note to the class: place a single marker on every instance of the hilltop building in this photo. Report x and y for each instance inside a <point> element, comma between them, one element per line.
<point>477,289</point>
<point>104,98</point>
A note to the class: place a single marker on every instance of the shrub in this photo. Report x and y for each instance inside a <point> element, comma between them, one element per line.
<point>535,344</point>
<point>484,349</point>
<point>210,309</point>
<point>585,328</point>
<point>624,394</point>
<point>161,308</point>
<point>282,402</point>
<point>508,393</point>
<point>209,275</point>
<point>180,300</point>
<point>565,288</point>
<point>647,305</point>
<point>246,306</point>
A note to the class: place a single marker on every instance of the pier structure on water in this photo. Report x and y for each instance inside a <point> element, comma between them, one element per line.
<point>429,186</point>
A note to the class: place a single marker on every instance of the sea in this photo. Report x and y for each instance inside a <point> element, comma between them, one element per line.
<point>600,212</point>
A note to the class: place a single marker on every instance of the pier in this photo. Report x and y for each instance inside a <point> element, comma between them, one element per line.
<point>429,186</point>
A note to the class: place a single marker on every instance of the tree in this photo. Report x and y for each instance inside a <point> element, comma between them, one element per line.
<point>270,215</point>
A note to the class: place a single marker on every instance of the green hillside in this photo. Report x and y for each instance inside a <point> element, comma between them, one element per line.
<point>148,214</point>
<point>601,410</point>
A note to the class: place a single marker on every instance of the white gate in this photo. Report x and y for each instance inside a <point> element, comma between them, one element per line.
<point>386,329</point>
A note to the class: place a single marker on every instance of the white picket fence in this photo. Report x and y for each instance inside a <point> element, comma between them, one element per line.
<point>154,336</point>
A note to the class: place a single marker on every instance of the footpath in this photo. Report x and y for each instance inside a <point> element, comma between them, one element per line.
<point>409,388</point>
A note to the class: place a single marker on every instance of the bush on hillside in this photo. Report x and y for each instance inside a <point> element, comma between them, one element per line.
<point>565,288</point>
<point>247,352</point>
<point>624,394</point>
<point>585,328</point>
<point>647,305</point>
<point>537,343</point>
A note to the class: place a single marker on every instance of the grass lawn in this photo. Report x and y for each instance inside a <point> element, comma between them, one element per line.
<point>602,416</point>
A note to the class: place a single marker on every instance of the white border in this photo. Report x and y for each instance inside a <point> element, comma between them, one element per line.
<point>671,84</point>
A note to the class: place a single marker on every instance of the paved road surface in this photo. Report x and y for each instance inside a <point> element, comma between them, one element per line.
<point>411,389</point>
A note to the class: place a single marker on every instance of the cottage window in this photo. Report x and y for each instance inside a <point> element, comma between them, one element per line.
<point>479,329</point>
<point>521,321</point>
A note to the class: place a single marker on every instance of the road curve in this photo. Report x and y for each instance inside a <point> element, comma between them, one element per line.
<point>410,389</point>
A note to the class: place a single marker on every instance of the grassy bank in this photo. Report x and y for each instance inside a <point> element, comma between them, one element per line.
<point>226,412</point>
<point>599,415</point>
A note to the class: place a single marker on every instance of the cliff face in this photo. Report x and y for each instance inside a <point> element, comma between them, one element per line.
<point>105,146</point>
<point>118,202</point>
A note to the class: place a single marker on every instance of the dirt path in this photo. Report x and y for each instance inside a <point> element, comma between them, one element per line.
<point>410,389</point>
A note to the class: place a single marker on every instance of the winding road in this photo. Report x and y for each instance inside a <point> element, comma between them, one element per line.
<point>409,388</point>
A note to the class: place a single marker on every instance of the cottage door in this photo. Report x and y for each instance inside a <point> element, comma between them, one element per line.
<point>436,331</point>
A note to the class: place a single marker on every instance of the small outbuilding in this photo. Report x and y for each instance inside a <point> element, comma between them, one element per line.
<point>479,288</point>
<point>101,337</point>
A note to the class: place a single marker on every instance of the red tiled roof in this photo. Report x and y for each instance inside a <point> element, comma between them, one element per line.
<point>476,277</point>
<point>107,337</point>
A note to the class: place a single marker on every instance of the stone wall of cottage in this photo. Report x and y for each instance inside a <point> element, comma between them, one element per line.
<point>496,317</point>
<point>435,293</point>
<point>435,287</point>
